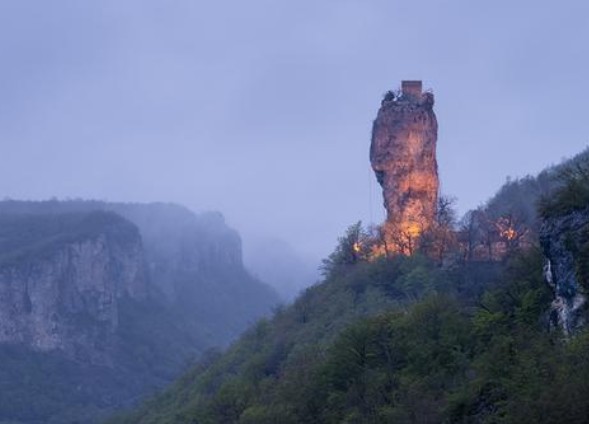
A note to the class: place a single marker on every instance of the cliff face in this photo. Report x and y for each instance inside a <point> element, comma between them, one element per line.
<point>182,248</point>
<point>176,241</point>
<point>403,157</point>
<point>565,241</point>
<point>193,262</point>
<point>60,290</point>
<point>106,302</point>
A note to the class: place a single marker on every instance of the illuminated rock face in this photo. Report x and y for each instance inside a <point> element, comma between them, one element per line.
<point>403,157</point>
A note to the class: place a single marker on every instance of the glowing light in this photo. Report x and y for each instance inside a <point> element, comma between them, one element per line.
<point>377,251</point>
<point>509,234</point>
<point>413,229</point>
<point>505,229</point>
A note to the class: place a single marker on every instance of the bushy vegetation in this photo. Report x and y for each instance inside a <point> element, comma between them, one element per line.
<point>355,350</point>
<point>46,388</point>
<point>400,339</point>
<point>154,346</point>
<point>283,369</point>
<point>573,194</point>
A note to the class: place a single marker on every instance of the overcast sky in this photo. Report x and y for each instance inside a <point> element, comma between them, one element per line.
<point>262,109</point>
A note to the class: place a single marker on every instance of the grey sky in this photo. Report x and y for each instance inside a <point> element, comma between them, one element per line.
<point>262,109</point>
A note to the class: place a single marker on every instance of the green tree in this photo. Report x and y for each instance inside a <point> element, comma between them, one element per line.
<point>351,249</point>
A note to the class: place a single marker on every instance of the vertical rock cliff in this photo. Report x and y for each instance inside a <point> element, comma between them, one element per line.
<point>107,302</point>
<point>565,241</point>
<point>61,278</point>
<point>403,157</point>
<point>193,262</point>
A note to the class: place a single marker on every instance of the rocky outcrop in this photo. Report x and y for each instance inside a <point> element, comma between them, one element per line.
<point>403,157</point>
<point>107,302</point>
<point>180,246</point>
<point>564,240</point>
<point>60,291</point>
<point>193,262</point>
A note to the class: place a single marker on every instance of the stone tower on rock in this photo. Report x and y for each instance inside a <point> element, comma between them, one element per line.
<point>403,157</point>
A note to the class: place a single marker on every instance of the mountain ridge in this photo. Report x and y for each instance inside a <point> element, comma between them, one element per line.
<point>127,291</point>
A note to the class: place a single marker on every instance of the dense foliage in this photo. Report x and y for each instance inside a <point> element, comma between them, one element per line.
<point>355,350</point>
<point>512,218</point>
<point>402,339</point>
<point>573,194</point>
<point>527,199</point>
<point>154,346</point>
<point>274,370</point>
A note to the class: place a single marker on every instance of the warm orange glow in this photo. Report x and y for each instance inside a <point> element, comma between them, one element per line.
<point>413,229</point>
<point>402,237</point>
<point>357,247</point>
<point>509,234</point>
<point>377,251</point>
<point>505,229</point>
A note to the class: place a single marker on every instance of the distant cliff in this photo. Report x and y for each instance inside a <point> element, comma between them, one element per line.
<point>59,290</point>
<point>403,157</point>
<point>125,294</point>
<point>194,261</point>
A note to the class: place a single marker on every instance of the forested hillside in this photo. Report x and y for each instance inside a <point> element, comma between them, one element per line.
<point>395,339</point>
<point>409,338</point>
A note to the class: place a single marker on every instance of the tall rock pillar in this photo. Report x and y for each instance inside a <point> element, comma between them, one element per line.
<point>403,157</point>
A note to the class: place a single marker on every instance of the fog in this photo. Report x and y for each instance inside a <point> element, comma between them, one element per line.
<point>263,109</point>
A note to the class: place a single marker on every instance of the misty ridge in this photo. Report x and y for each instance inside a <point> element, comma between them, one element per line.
<point>178,244</point>
<point>273,260</point>
<point>124,294</point>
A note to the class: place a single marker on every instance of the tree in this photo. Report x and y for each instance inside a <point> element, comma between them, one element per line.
<point>440,238</point>
<point>469,234</point>
<point>351,248</point>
